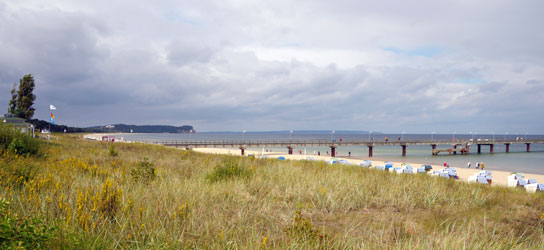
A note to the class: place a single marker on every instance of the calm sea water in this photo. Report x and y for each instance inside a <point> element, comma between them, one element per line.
<point>517,160</point>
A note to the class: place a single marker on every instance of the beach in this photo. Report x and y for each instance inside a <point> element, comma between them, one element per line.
<point>500,178</point>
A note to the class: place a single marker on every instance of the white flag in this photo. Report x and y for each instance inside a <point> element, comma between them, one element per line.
<point>51,107</point>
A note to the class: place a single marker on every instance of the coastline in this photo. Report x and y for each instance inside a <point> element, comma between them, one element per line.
<point>500,178</point>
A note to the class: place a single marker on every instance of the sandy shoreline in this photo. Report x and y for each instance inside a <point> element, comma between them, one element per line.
<point>499,177</point>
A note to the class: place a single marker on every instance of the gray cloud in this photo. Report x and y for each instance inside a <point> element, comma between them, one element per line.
<point>417,66</point>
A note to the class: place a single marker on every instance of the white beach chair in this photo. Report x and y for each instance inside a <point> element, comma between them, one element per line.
<point>445,175</point>
<point>522,182</point>
<point>472,179</point>
<point>513,180</point>
<point>420,170</point>
<point>540,187</point>
<point>365,163</point>
<point>531,188</point>
<point>380,168</point>
<point>408,171</point>
<point>398,170</point>
<point>531,181</point>
<point>482,180</point>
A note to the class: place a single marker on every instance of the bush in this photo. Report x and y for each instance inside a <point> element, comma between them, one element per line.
<point>113,153</point>
<point>228,170</point>
<point>144,172</point>
<point>14,140</point>
<point>22,234</point>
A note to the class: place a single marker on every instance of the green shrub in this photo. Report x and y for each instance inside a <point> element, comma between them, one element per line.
<point>228,170</point>
<point>113,153</point>
<point>14,140</point>
<point>144,172</point>
<point>18,233</point>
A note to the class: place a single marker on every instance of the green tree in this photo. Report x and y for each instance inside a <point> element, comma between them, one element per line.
<point>24,99</point>
<point>13,101</point>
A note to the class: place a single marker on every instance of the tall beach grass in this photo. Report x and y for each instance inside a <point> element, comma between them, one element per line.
<point>153,197</point>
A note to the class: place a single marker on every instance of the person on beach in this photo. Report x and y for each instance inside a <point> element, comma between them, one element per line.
<point>349,154</point>
<point>468,164</point>
<point>482,166</point>
<point>478,166</point>
<point>318,153</point>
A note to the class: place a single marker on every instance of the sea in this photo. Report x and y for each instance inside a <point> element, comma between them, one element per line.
<point>517,160</point>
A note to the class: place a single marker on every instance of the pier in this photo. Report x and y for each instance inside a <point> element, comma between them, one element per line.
<point>456,146</point>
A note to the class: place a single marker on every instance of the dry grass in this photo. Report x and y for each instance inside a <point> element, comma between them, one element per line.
<point>95,201</point>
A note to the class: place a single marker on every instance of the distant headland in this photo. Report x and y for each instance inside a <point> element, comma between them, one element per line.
<point>114,128</point>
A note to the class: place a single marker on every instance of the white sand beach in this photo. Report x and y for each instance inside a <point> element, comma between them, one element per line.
<point>499,177</point>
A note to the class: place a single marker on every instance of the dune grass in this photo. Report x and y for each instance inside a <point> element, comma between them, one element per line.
<point>153,197</point>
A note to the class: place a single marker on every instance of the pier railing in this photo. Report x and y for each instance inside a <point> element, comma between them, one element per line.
<point>329,142</point>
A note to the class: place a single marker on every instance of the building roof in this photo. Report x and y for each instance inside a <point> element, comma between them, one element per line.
<point>15,121</point>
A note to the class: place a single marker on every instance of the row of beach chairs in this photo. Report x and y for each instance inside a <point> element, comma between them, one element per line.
<point>516,180</point>
<point>408,169</point>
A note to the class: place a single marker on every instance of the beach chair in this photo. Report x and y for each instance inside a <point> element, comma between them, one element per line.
<point>531,188</point>
<point>540,187</point>
<point>398,170</point>
<point>366,163</point>
<point>408,171</point>
<point>531,181</point>
<point>472,179</point>
<point>421,170</point>
<point>380,168</point>
<point>445,175</point>
<point>513,180</point>
<point>522,182</point>
<point>482,180</point>
<point>489,179</point>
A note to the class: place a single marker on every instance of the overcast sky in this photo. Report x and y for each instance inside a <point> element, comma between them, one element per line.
<point>416,66</point>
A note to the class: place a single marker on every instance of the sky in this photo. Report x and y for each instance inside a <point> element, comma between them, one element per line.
<point>416,66</point>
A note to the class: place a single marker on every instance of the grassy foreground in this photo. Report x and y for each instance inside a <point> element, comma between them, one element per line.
<point>88,195</point>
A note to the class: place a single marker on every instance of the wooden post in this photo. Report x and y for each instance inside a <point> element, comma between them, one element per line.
<point>491,148</point>
<point>507,147</point>
<point>403,150</point>
<point>479,149</point>
<point>528,147</point>
<point>370,151</point>
<point>333,151</point>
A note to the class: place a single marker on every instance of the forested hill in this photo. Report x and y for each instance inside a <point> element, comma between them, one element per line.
<point>123,128</point>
